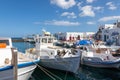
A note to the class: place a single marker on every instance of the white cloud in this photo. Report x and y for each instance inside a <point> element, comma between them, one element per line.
<point>69,15</point>
<point>111,6</point>
<point>62,23</point>
<point>79,5</point>
<point>87,11</point>
<point>109,18</point>
<point>90,22</point>
<point>89,1</point>
<point>98,8</point>
<point>65,4</point>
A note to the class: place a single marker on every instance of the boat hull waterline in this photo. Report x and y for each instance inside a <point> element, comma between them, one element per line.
<point>101,64</point>
<point>64,64</point>
<point>24,71</point>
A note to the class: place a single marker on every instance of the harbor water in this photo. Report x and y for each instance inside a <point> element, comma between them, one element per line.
<point>84,72</point>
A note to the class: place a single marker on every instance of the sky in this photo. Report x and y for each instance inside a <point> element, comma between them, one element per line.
<point>20,18</point>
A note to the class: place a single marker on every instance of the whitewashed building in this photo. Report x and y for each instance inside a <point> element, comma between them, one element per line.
<point>109,33</point>
<point>72,36</point>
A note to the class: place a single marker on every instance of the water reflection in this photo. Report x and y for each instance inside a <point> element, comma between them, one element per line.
<point>91,73</point>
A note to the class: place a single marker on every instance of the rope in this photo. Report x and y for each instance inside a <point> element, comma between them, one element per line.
<point>53,74</point>
<point>66,76</point>
<point>45,72</point>
<point>48,72</point>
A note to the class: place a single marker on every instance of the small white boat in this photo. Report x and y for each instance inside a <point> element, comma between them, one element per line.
<point>55,57</point>
<point>99,57</point>
<point>15,65</point>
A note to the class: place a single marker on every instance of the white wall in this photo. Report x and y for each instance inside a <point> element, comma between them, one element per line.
<point>75,35</point>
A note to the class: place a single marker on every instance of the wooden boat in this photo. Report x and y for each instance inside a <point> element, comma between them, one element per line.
<point>55,57</point>
<point>99,57</point>
<point>15,65</point>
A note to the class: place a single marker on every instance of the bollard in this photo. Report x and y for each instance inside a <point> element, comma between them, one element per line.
<point>14,63</point>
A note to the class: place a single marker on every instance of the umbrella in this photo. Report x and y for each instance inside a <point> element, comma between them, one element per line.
<point>84,42</point>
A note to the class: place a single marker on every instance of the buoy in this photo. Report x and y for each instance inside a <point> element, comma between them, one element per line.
<point>7,61</point>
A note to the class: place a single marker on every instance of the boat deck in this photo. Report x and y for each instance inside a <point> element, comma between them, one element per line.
<point>21,59</point>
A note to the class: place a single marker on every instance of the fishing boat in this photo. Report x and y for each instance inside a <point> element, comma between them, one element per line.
<point>102,57</point>
<point>15,65</point>
<point>55,57</point>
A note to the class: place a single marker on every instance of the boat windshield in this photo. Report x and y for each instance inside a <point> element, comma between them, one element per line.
<point>87,48</point>
<point>4,41</point>
<point>47,40</point>
<point>50,40</point>
<point>44,40</point>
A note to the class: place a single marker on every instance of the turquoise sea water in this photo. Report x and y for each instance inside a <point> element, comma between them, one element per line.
<point>84,72</point>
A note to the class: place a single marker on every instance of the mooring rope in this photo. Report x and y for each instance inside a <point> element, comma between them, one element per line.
<point>66,75</point>
<point>45,72</point>
<point>48,72</point>
<point>53,74</point>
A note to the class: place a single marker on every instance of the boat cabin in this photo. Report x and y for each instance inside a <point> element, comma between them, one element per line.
<point>5,51</point>
<point>44,41</point>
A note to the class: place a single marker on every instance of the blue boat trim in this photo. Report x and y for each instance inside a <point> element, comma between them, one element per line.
<point>6,68</point>
<point>27,64</point>
<point>19,65</point>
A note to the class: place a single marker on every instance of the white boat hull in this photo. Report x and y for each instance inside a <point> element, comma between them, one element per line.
<point>6,75</point>
<point>24,72</point>
<point>101,64</point>
<point>70,64</point>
